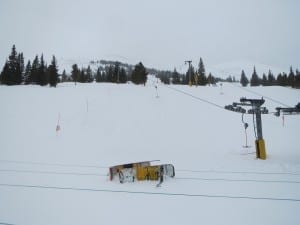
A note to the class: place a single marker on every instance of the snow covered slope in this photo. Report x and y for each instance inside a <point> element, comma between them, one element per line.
<point>234,68</point>
<point>49,177</point>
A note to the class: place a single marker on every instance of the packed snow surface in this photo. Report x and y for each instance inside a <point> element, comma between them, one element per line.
<point>60,177</point>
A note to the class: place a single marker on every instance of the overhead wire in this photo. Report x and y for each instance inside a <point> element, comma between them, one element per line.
<point>148,193</point>
<point>237,180</point>
<point>176,178</point>
<point>258,94</point>
<point>50,172</point>
<point>196,97</point>
<point>106,167</point>
<point>51,164</point>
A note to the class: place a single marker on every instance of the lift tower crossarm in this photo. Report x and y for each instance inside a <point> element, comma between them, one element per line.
<point>288,111</point>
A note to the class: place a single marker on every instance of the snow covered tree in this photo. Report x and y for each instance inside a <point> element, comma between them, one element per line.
<point>244,80</point>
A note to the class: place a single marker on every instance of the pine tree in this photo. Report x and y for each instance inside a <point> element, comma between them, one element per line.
<point>109,77</point>
<point>75,74</point>
<point>297,79</point>
<point>255,81</point>
<point>244,80</point>
<point>42,73</point>
<point>98,75</point>
<point>271,78</point>
<point>82,77</point>
<point>27,73</point>
<point>53,72</point>
<point>202,80</point>
<point>139,74</point>
<point>20,69</point>
<point>264,80</point>
<point>191,76</point>
<point>291,78</point>
<point>89,75</point>
<point>175,77</point>
<point>64,76</point>
<point>14,74</point>
<point>34,75</point>
<point>115,75</point>
<point>122,76</point>
<point>211,79</point>
<point>229,79</point>
<point>13,66</point>
<point>5,76</point>
<point>282,79</point>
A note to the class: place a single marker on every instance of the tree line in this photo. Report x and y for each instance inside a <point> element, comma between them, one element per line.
<point>113,73</point>
<point>15,72</point>
<point>38,72</point>
<point>292,79</point>
<point>191,77</point>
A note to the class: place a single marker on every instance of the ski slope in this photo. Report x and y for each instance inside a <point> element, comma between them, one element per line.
<point>49,177</point>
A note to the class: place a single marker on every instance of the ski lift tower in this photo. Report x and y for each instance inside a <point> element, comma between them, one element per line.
<point>257,110</point>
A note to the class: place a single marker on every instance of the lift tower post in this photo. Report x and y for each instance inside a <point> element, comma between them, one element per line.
<point>257,110</point>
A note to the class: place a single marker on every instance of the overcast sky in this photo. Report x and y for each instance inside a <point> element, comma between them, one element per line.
<point>160,33</point>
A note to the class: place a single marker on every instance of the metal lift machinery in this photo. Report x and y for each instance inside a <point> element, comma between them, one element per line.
<point>256,110</point>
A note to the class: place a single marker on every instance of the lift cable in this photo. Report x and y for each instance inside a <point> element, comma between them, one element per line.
<point>193,96</point>
<point>51,172</point>
<point>176,178</point>
<point>237,180</point>
<point>148,193</point>
<point>202,99</point>
<point>52,164</point>
<point>256,93</point>
<point>179,170</point>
